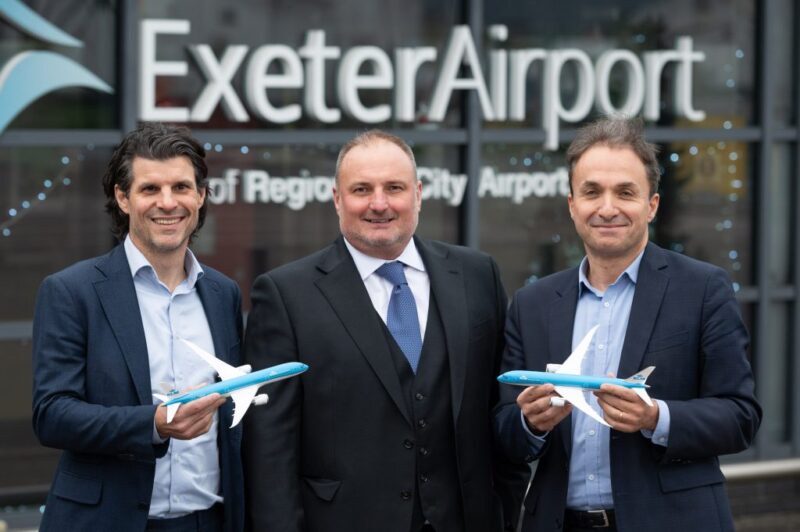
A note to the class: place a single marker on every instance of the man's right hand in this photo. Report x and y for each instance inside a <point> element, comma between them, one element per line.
<point>541,416</point>
<point>191,420</point>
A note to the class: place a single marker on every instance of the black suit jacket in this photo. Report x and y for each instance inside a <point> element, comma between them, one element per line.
<point>685,321</point>
<point>92,396</point>
<point>328,452</point>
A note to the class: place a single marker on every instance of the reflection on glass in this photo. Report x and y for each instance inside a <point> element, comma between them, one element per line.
<point>51,215</point>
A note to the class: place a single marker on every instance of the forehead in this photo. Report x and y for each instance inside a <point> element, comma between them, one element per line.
<point>610,165</point>
<point>173,168</point>
<point>377,160</point>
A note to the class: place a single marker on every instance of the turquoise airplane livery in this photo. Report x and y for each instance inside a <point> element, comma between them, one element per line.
<point>569,383</point>
<point>237,383</point>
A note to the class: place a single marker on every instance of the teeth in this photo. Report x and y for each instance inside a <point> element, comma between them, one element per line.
<point>166,221</point>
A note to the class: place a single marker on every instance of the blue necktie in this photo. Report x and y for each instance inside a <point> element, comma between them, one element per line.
<point>402,320</point>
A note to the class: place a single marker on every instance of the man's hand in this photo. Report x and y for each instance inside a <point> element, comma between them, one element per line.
<point>191,420</point>
<point>624,410</point>
<point>534,402</point>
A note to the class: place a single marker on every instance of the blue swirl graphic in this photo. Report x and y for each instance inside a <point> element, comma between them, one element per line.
<point>30,75</point>
<point>30,22</point>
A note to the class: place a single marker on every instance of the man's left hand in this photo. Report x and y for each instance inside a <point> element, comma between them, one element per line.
<point>624,410</point>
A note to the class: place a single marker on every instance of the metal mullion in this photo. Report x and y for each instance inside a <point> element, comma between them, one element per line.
<point>795,347</point>
<point>470,207</point>
<point>763,247</point>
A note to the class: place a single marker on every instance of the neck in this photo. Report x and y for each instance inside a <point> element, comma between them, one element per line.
<point>169,266</point>
<point>602,271</point>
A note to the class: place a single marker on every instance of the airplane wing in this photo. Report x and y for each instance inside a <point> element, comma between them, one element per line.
<point>575,396</point>
<point>242,399</point>
<point>572,365</point>
<point>225,371</point>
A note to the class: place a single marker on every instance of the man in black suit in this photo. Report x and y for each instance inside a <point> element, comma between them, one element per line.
<point>390,429</point>
<point>656,467</point>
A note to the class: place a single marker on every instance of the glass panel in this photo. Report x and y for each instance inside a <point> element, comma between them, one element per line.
<point>346,24</point>
<point>722,84</point>
<point>51,215</point>
<point>274,205</point>
<point>24,463</point>
<point>93,24</point>
<point>705,210</point>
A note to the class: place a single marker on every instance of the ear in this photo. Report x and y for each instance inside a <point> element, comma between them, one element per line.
<point>654,201</point>
<point>336,199</point>
<point>203,194</point>
<point>418,191</point>
<point>569,204</point>
<point>122,199</point>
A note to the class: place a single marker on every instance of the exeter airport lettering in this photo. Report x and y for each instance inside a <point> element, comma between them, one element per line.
<point>502,96</point>
<point>258,186</point>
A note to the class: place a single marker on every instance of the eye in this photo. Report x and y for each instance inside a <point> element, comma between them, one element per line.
<point>395,188</point>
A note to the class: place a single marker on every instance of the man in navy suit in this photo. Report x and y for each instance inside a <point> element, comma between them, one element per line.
<point>105,337</point>
<point>656,468</point>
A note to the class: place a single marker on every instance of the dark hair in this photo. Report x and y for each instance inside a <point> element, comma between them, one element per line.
<point>158,142</point>
<point>616,132</point>
<point>368,137</point>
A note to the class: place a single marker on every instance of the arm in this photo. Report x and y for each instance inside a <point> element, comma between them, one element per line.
<point>510,478</point>
<point>725,415</point>
<point>63,416</point>
<point>271,445</point>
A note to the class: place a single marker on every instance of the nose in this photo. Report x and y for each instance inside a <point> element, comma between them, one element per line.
<point>608,208</point>
<point>378,201</point>
<point>166,201</point>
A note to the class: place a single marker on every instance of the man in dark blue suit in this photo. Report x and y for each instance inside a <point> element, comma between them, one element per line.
<point>656,468</point>
<point>105,338</point>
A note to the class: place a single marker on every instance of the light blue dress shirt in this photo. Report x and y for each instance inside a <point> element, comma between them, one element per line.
<point>187,477</point>
<point>590,467</point>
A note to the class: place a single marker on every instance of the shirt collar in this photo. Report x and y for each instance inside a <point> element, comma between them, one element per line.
<point>632,273</point>
<point>366,264</point>
<point>137,262</point>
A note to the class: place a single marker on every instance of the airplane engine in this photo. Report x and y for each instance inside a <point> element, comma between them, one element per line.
<point>246,368</point>
<point>260,399</point>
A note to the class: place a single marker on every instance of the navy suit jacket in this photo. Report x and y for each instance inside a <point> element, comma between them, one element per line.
<point>684,321</point>
<point>92,396</point>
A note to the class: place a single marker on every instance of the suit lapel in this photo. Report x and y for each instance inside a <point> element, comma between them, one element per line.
<point>449,294</point>
<point>117,296</point>
<point>651,284</point>
<point>345,291</point>
<point>562,321</point>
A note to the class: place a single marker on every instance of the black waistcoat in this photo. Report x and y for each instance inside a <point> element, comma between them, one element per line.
<point>428,397</point>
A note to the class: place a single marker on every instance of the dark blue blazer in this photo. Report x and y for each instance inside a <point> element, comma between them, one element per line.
<point>92,396</point>
<point>686,322</point>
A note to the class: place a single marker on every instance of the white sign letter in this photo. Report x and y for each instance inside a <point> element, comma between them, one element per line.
<point>257,81</point>
<point>150,68</point>
<point>350,81</point>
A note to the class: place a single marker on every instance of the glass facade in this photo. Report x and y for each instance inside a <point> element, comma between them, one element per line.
<point>728,189</point>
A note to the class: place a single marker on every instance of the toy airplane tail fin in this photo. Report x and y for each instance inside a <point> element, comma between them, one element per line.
<point>641,378</point>
<point>171,409</point>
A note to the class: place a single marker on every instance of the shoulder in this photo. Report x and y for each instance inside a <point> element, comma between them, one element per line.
<point>219,278</point>
<point>681,265</point>
<point>89,269</point>
<point>550,285</point>
<point>308,267</point>
<point>434,249</point>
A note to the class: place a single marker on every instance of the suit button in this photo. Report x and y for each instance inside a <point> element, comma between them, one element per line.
<point>419,396</point>
<point>422,423</point>
<point>423,451</point>
<point>424,479</point>
<point>408,444</point>
<point>405,495</point>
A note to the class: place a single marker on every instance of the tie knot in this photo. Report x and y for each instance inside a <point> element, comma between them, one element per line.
<point>392,272</point>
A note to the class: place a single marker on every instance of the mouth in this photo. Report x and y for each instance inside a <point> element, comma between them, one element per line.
<point>167,220</point>
<point>378,221</point>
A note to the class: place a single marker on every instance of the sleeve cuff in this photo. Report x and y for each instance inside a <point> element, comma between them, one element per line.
<point>535,442</point>
<point>660,436</point>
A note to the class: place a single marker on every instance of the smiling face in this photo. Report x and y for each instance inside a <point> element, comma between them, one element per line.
<point>162,206</point>
<point>378,199</point>
<point>610,203</point>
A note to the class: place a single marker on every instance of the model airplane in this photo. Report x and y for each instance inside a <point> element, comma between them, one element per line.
<point>569,383</point>
<point>237,383</point>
